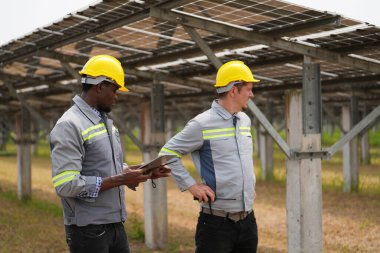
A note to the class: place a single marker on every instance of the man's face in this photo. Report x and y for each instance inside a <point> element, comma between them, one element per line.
<point>108,96</point>
<point>244,95</point>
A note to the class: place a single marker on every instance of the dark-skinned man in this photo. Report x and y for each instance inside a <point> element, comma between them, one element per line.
<point>87,163</point>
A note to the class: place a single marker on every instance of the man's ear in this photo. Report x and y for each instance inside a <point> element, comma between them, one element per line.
<point>232,92</point>
<point>98,88</point>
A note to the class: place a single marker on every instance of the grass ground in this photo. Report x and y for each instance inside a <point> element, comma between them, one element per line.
<point>351,222</point>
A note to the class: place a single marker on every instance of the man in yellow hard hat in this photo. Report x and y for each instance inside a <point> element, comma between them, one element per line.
<point>87,163</point>
<point>220,143</point>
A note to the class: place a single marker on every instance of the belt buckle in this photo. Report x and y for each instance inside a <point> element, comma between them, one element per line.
<point>236,217</point>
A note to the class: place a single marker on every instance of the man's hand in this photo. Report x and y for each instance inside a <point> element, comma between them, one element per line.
<point>202,193</point>
<point>130,177</point>
<point>163,171</point>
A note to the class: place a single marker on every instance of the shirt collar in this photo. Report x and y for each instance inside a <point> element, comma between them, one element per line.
<point>220,110</point>
<point>96,111</point>
<point>87,109</point>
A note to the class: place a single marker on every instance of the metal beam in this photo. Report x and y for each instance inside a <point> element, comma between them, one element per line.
<point>128,131</point>
<point>34,81</point>
<point>25,104</point>
<point>92,31</point>
<point>71,70</point>
<point>249,35</point>
<point>203,46</point>
<point>73,73</point>
<point>370,119</point>
<point>164,77</point>
<point>270,129</point>
<point>151,75</point>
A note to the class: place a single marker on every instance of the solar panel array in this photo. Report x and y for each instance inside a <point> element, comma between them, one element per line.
<point>40,69</point>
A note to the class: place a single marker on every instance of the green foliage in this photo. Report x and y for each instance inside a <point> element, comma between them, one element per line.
<point>129,144</point>
<point>374,138</point>
<point>135,227</point>
<point>329,140</point>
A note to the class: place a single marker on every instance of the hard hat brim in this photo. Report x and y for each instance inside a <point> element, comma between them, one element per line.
<point>123,89</point>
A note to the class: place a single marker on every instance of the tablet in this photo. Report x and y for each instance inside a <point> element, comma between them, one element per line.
<point>157,163</point>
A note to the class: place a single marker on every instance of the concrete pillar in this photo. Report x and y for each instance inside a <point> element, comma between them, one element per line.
<point>4,133</point>
<point>350,154</point>
<point>155,199</point>
<point>266,146</point>
<point>256,129</point>
<point>365,154</point>
<point>169,128</point>
<point>24,165</point>
<point>266,154</point>
<point>304,184</point>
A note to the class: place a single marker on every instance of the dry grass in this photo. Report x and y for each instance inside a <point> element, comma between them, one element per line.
<point>351,222</point>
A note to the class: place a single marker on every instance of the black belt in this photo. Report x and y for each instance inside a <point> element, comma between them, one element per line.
<point>235,216</point>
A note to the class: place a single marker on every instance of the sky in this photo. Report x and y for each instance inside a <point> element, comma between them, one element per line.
<point>21,17</point>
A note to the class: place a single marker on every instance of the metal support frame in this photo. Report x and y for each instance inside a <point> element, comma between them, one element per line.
<point>270,129</point>
<point>311,102</point>
<point>203,46</point>
<point>73,73</point>
<point>128,131</point>
<point>128,71</point>
<point>248,34</point>
<point>303,182</point>
<point>363,125</point>
<point>41,121</point>
<point>92,32</point>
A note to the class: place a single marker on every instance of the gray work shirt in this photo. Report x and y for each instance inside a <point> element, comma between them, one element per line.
<point>222,153</point>
<point>84,147</point>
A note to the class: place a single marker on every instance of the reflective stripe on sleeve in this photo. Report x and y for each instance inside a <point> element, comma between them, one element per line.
<point>64,177</point>
<point>163,150</point>
<point>245,131</point>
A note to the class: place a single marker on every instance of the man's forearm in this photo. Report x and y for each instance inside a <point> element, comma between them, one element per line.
<point>111,182</point>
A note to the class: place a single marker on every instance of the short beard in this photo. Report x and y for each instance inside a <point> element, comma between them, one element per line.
<point>105,109</point>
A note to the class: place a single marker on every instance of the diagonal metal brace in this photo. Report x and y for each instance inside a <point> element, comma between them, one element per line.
<point>357,129</point>
<point>270,129</point>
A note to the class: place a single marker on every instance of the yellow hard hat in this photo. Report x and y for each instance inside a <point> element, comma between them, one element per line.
<point>105,66</point>
<point>233,71</point>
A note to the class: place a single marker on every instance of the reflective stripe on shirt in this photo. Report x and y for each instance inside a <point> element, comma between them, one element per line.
<point>64,177</point>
